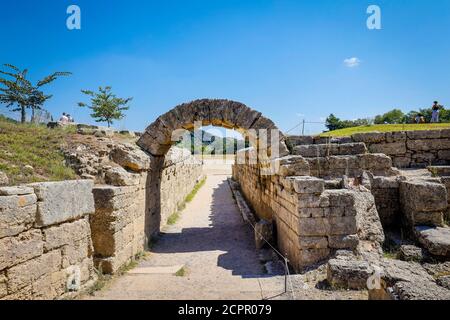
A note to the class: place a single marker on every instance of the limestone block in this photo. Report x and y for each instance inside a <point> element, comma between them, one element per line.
<point>394,148</point>
<point>17,214</point>
<point>396,136</point>
<point>131,158</point>
<point>423,202</point>
<point>435,240</point>
<point>420,290</point>
<point>313,242</point>
<point>3,285</point>
<point>293,166</point>
<point>65,234</point>
<point>444,154</point>
<point>428,144</point>
<point>374,161</point>
<point>369,137</point>
<point>26,273</point>
<point>308,257</point>
<point>340,198</point>
<point>75,252</point>
<point>424,134</point>
<point>62,201</point>
<point>25,246</point>
<point>120,177</point>
<point>307,184</point>
<point>16,191</point>
<point>299,140</point>
<point>343,241</point>
<point>348,274</point>
<point>411,253</point>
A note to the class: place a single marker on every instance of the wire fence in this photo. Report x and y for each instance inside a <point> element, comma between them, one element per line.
<point>288,284</point>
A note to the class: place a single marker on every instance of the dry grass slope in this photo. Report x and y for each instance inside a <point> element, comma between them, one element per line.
<point>23,145</point>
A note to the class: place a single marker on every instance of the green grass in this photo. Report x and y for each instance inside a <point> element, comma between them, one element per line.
<point>385,128</point>
<point>176,215</point>
<point>37,146</point>
<point>182,272</point>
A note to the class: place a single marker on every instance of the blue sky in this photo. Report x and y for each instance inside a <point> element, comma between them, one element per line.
<point>283,58</point>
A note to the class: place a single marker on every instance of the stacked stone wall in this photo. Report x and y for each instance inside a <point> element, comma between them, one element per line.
<point>311,222</point>
<point>128,214</point>
<point>406,148</point>
<point>45,240</point>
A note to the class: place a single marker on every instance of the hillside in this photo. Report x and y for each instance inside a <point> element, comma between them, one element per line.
<point>385,128</point>
<point>209,143</point>
<point>30,153</point>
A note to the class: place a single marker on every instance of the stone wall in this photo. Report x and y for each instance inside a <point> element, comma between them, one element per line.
<point>137,202</point>
<point>406,148</point>
<point>45,240</point>
<point>180,174</point>
<point>310,222</point>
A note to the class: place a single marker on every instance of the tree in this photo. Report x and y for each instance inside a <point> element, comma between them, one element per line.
<point>333,123</point>
<point>105,105</point>
<point>394,116</point>
<point>19,93</point>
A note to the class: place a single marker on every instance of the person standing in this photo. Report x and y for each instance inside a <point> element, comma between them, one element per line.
<point>435,109</point>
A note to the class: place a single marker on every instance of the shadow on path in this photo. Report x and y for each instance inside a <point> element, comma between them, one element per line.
<point>226,232</point>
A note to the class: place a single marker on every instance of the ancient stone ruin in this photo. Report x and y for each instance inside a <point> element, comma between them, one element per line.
<point>341,202</point>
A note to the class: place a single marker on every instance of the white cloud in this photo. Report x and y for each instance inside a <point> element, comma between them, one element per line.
<point>352,62</point>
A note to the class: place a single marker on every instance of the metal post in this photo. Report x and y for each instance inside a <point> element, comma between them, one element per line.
<point>285,273</point>
<point>303,128</point>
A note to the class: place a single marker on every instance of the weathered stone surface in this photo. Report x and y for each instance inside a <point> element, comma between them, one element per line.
<point>399,136</point>
<point>17,214</point>
<point>424,134</point>
<point>16,191</point>
<point>307,184</point>
<point>439,171</point>
<point>313,242</point>
<point>120,177</point>
<point>299,140</point>
<point>263,233</point>
<point>394,148</point>
<point>26,273</point>
<point>62,201</point>
<point>25,246</point>
<point>324,150</point>
<point>369,137</point>
<point>411,253</point>
<point>438,269</point>
<point>423,202</point>
<point>419,290</point>
<point>3,285</point>
<point>348,274</point>
<point>293,166</point>
<point>444,282</point>
<point>343,242</point>
<point>65,234</point>
<point>4,180</point>
<point>367,219</point>
<point>131,157</point>
<point>435,240</point>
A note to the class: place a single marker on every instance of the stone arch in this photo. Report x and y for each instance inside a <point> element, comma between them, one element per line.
<point>157,138</point>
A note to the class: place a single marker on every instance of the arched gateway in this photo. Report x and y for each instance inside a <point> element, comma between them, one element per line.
<point>157,138</point>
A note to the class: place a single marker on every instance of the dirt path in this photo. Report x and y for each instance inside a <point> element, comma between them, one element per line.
<point>216,248</point>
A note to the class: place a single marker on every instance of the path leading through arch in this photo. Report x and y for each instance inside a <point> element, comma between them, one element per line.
<point>215,247</point>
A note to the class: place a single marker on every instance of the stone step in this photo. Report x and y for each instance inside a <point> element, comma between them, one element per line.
<point>324,150</point>
<point>439,171</point>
